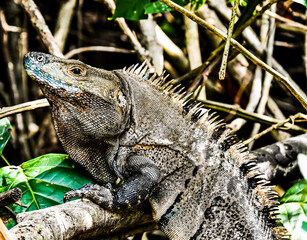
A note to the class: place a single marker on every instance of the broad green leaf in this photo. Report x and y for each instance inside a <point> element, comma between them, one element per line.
<point>159,7</point>
<point>297,193</point>
<point>5,134</point>
<point>293,210</point>
<point>43,180</point>
<point>138,9</point>
<point>302,163</point>
<point>303,2</point>
<point>156,7</point>
<point>130,9</point>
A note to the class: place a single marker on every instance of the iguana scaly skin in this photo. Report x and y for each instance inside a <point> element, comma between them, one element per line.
<point>116,124</point>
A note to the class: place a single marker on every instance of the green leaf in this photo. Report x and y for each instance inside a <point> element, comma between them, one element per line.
<point>293,210</point>
<point>43,180</point>
<point>294,219</point>
<point>156,7</point>
<point>303,2</point>
<point>5,134</point>
<point>159,7</point>
<point>197,3</point>
<point>130,9</point>
<point>138,9</point>
<point>297,193</point>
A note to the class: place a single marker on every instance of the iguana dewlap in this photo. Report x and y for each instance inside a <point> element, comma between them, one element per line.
<point>200,183</point>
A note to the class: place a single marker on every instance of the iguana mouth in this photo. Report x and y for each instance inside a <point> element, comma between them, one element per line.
<point>34,63</point>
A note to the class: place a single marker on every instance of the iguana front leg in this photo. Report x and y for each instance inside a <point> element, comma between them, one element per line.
<point>141,175</point>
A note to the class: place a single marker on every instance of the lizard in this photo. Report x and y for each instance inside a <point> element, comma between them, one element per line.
<point>163,147</point>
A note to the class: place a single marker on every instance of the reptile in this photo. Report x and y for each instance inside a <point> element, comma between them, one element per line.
<point>143,139</point>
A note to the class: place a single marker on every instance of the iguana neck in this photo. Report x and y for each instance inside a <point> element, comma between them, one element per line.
<point>75,131</point>
<point>159,122</point>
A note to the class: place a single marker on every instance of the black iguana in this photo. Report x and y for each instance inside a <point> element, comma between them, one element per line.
<point>200,183</point>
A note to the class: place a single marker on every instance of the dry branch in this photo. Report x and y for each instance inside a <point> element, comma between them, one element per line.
<point>63,23</point>
<point>97,49</point>
<point>19,108</point>
<point>40,25</point>
<point>222,71</point>
<point>89,220</point>
<point>297,93</point>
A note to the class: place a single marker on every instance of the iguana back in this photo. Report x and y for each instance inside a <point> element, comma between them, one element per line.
<point>201,184</point>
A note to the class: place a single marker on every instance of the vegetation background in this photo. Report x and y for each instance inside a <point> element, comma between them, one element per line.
<point>248,98</point>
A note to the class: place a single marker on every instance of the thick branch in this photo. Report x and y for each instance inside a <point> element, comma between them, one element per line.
<point>80,219</point>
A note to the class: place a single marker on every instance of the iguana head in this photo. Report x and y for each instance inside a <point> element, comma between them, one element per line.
<point>80,89</point>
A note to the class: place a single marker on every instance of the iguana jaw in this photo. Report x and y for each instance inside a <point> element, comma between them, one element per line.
<point>35,64</point>
<point>65,78</point>
<point>77,87</point>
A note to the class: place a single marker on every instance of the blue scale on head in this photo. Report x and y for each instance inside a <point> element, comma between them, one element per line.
<point>34,68</point>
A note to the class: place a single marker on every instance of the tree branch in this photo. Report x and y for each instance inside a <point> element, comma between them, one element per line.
<point>40,25</point>
<point>297,93</point>
<point>79,219</point>
<point>27,106</point>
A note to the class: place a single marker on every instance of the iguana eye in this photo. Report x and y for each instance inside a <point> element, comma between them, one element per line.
<point>77,71</point>
<point>40,58</point>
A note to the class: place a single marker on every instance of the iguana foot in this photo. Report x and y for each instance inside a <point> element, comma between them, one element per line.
<point>142,176</point>
<point>94,192</point>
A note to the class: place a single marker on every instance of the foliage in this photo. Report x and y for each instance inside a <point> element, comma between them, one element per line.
<point>303,2</point>
<point>293,208</point>
<point>5,129</point>
<point>43,180</point>
<point>242,2</point>
<point>138,9</point>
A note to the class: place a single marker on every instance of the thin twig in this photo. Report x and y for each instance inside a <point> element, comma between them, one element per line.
<point>270,25</point>
<point>142,52</point>
<point>290,22</point>
<point>19,108</point>
<point>297,93</point>
<point>253,18</point>
<point>195,72</point>
<point>192,43</point>
<point>222,71</point>
<point>40,25</point>
<point>238,111</point>
<point>63,22</point>
<point>276,126</point>
<point>97,48</point>
<point>150,40</point>
<point>5,26</point>
<point>172,50</point>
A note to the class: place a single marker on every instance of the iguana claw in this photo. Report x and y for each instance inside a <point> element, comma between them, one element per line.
<point>94,192</point>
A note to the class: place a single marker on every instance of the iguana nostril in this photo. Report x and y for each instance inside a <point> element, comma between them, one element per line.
<point>40,58</point>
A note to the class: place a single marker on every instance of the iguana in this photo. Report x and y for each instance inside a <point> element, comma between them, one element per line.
<point>126,125</point>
